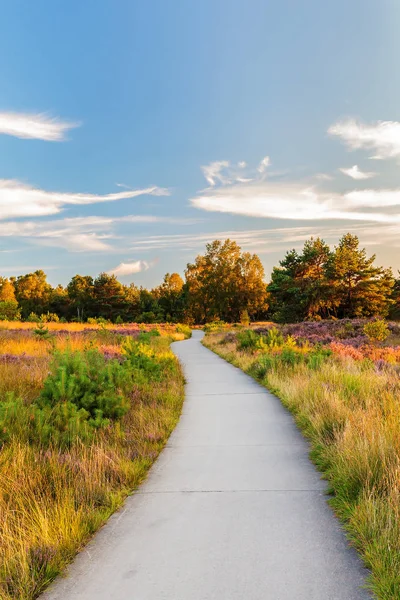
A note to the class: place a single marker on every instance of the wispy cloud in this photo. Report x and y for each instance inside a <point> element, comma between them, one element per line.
<point>20,200</point>
<point>382,137</point>
<point>90,234</point>
<point>213,172</point>
<point>356,173</point>
<point>38,126</point>
<point>300,201</point>
<point>129,268</point>
<point>268,240</point>
<point>264,164</point>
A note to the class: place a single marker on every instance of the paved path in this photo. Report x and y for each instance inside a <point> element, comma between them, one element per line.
<point>232,510</point>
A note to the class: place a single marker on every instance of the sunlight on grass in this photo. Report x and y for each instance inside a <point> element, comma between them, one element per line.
<point>349,409</point>
<point>52,499</point>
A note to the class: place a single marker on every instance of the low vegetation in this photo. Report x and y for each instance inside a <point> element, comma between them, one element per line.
<point>341,381</point>
<point>84,412</point>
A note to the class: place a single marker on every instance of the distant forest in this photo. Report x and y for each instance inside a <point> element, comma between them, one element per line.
<point>222,284</point>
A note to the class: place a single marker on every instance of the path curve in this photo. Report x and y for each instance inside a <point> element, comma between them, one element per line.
<point>232,510</point>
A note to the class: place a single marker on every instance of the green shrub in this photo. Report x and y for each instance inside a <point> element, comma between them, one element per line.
<point>57,426</point>
<point>263,365</point>
<point>140,357</point>
<point>247,340</point>
<point>88,381</point>
<point>33,318</point>
<point>317,357</point>
<point>289,357</point>
<point>42,332</point>
<point>376,331</point>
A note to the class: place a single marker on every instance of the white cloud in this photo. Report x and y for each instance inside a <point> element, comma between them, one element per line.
<point>296,201</point>
<point>356,173</point>
<point>130,268</point>
<point>266,161</point>
<point>213,172</point>
<point>323,177</point>
<point>300,200</point>
<point>382,137</point>
<point>34,126</point>
<point>79,234</point>
<point>20,200</point>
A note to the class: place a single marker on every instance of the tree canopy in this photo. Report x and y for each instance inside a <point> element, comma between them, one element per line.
<point>320,283</point>
<point>316,282</point>
<point>224,282</point>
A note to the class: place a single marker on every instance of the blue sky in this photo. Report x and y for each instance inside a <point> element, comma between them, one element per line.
<point>131,133</point>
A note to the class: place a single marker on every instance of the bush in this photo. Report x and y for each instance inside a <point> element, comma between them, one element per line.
<point>98,321</point>
<point>289,357</point>
<point>274,338</point>
<point>247,340</point>
<point>376,331</point>
<point>42,332</point>
<point>140,357</point>
<point>262,366</point>
<point>49,318</point>
<point>88,381</point>
<point>244,318</point>
<point>316,358</point>
<point>9,311</point>
<point>185,329</point>
<point>58,426</point>
<point>214,326</point>
<point>33,318</point>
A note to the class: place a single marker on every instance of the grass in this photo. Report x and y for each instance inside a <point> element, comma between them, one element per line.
<point>53,499</point>
<point>350,411</point>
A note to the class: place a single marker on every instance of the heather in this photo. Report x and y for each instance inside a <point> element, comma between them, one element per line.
<point>84,412</point>
<point>342,385</point>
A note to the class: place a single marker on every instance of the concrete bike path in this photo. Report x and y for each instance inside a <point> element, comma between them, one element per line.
<point>232,510</point>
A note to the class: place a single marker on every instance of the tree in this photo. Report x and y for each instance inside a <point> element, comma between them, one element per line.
<point>170,297</point>
<point>149,310</point>
<point>223,282</point>
<point>7,290</point>
<point>60,302</point>
<point>132,298</point>
<point>109,299</point>
<point>299,287</point>
<point>33,292</point>
<point>80,292</point>
<point>395,308</point>
<point>360,288</point>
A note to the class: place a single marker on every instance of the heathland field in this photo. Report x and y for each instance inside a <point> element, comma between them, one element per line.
<point>84,412</point>
<point>341,381</point>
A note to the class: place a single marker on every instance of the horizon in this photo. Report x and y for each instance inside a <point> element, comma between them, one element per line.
<point>163,128</point>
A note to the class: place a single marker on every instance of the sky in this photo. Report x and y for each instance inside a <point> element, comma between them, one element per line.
<point>133,133</point>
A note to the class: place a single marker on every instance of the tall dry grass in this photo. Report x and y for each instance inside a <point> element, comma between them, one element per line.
<point>52,501</point>
<point>350,411</point>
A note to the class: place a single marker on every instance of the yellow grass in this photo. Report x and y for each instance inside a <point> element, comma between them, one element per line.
<point>351,414</point>
<point>52,501</point>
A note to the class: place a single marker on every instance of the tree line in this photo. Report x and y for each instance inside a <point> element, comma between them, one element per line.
<point>222,284</point>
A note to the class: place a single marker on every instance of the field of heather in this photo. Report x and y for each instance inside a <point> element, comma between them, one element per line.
<point>340,379</point>
<point>84,412</point>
